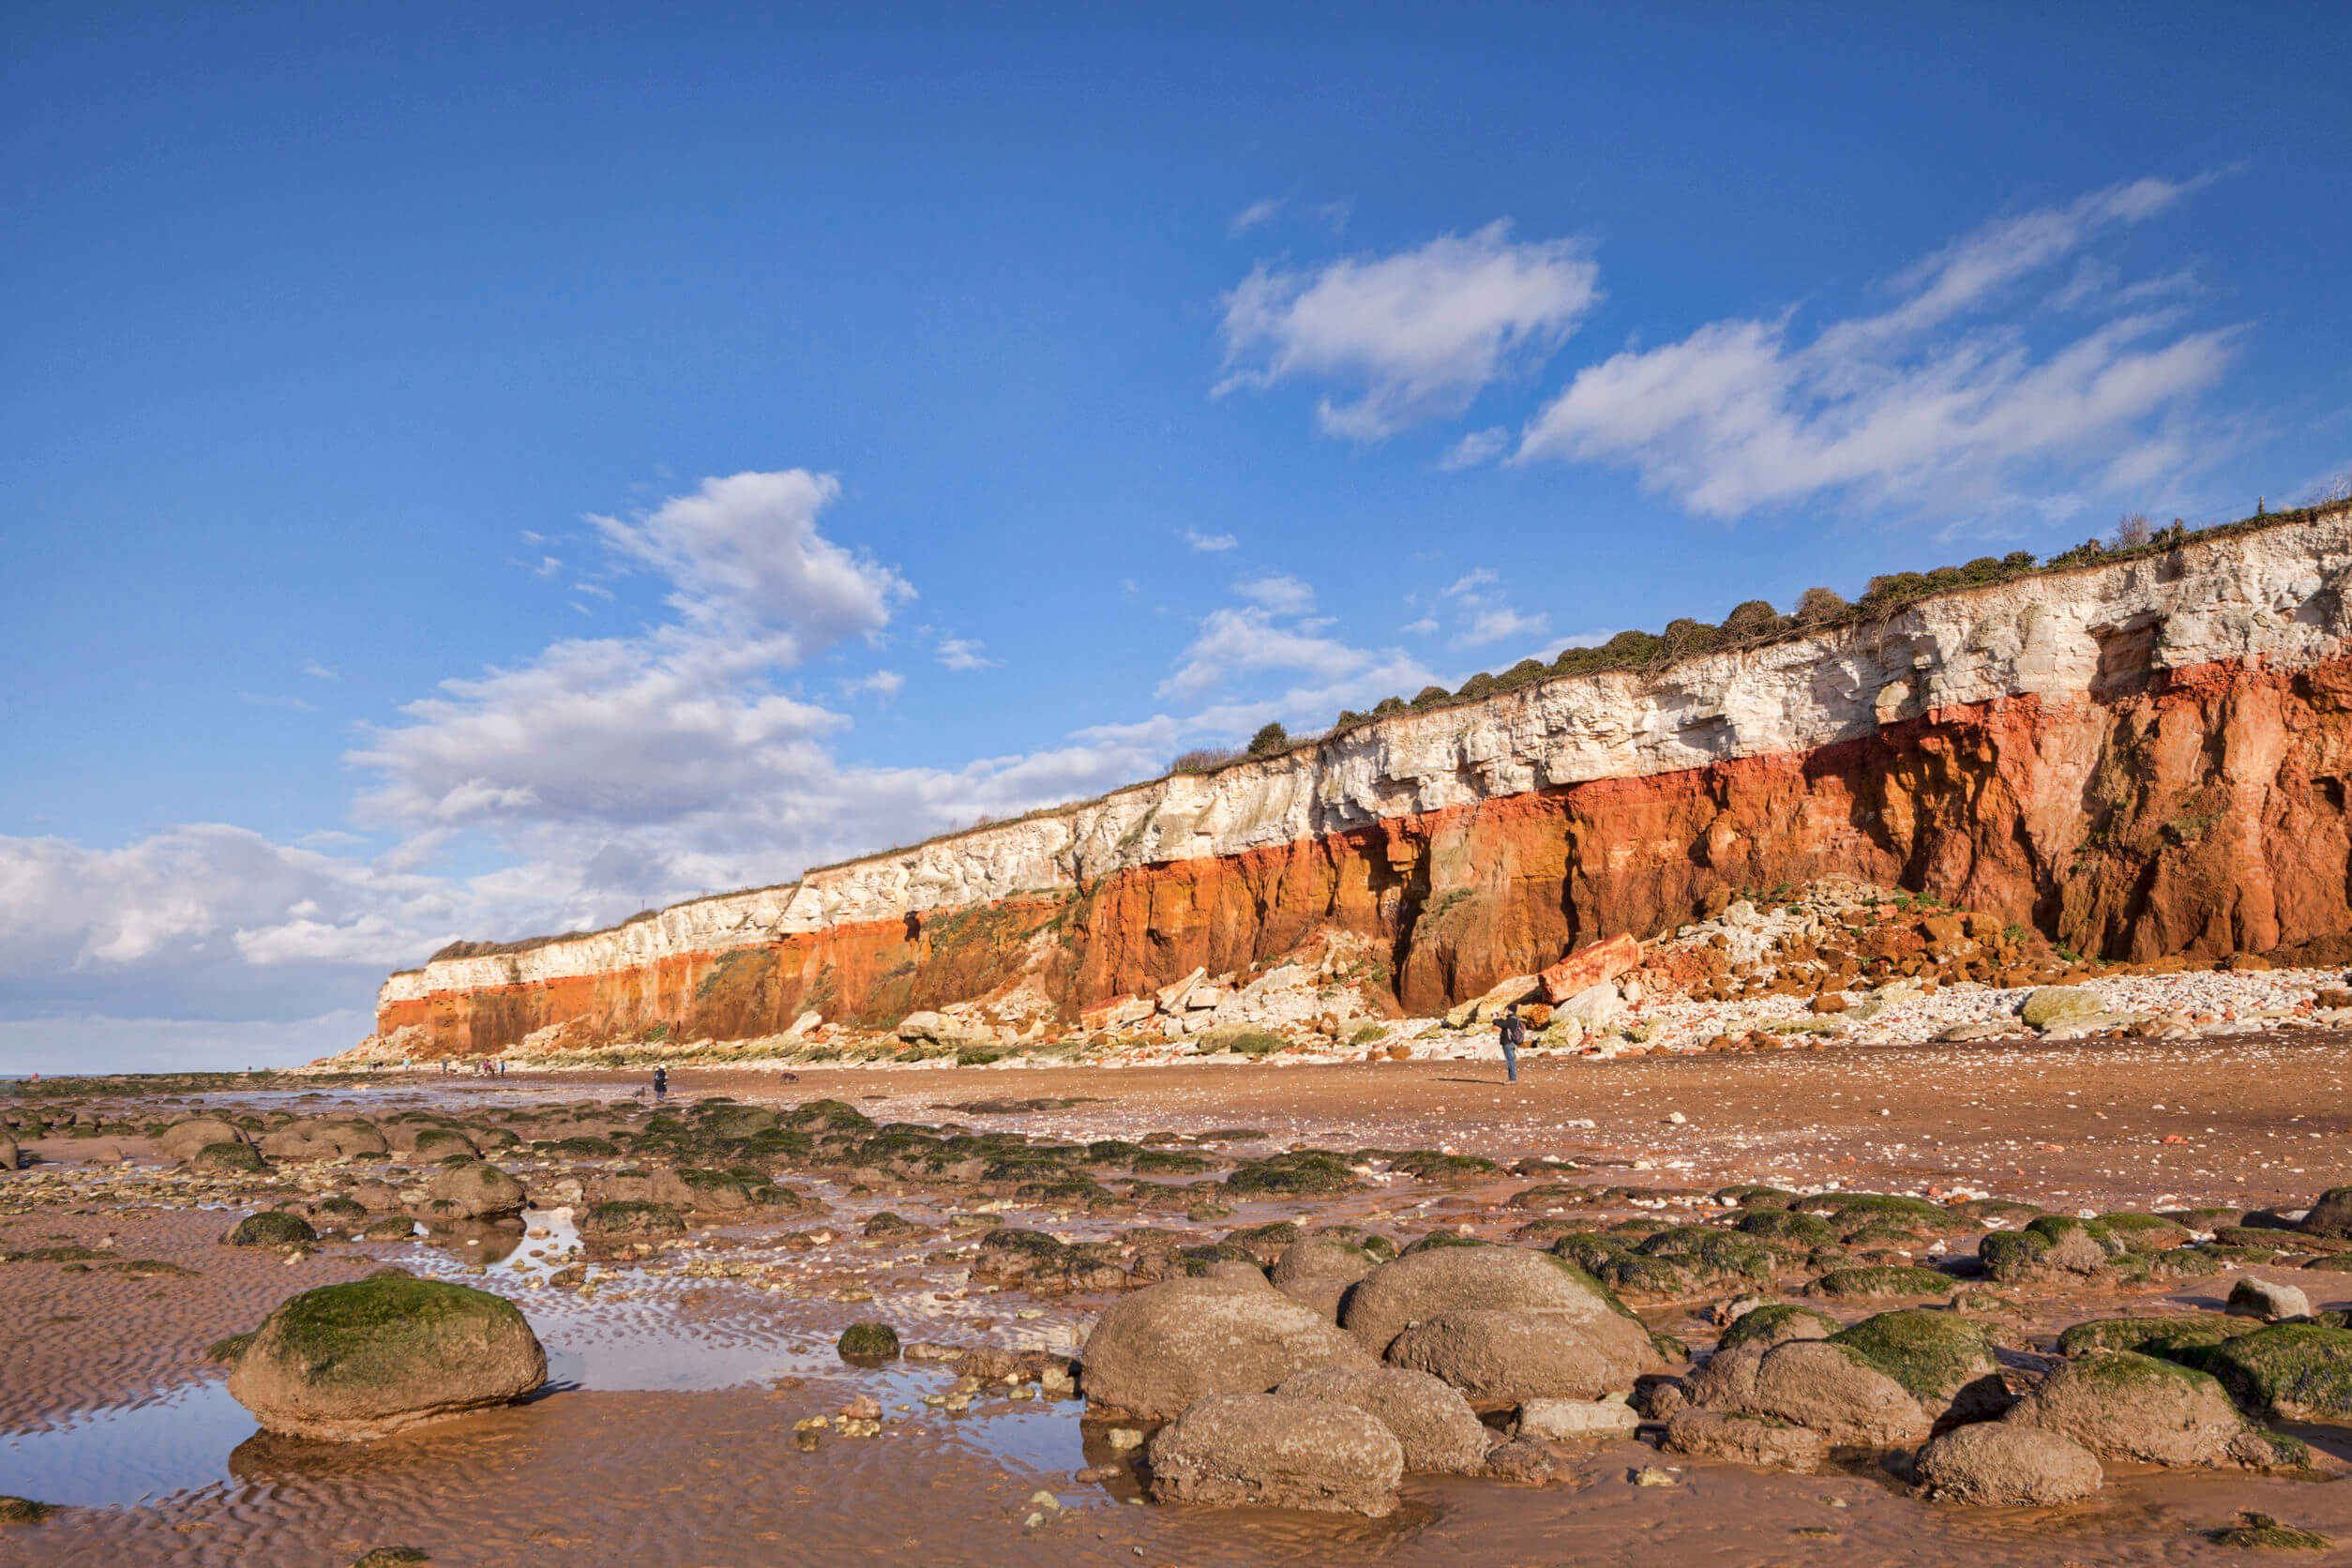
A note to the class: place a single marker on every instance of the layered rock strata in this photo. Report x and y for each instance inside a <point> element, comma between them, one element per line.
<point>2137,758</point>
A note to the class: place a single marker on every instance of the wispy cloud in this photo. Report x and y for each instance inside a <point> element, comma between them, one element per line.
<point>1478,446</point>
<point>1495,625</point>
<point>1285,596</point>
<point>1256,213</point>
<point>883,683</point>
<point>1907,406</point>
<point>318,672</point>
<point>1210,542</point>
<point>963,653</point>
<point>1419,333</point>
<point>268,699</point>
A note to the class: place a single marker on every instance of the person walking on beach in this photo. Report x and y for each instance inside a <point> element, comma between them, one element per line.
<point>661,1083</point>
<point>1514,1034</point>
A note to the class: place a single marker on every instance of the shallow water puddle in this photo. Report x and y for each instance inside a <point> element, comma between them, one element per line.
<point>111,1459</point>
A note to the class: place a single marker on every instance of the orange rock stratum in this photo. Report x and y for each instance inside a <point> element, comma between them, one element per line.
<point>2138,759</point>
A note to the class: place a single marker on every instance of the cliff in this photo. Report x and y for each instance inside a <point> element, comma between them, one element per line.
<point>2138,758</point>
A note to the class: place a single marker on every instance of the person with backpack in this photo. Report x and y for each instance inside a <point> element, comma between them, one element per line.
<point>1514,1034</point>
<point>661,1083</point>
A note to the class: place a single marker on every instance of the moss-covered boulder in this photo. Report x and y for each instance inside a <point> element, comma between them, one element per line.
<point>1788,1226</point>
<point>1882,1282</point>
<point>2284,1372</point>
<point>1776,1324</point>
<point>1942,1359</point>
<point>2330,1214</point>
<point>1709,1258</point>
<point>437,1143</point>
<point>2149,1234</point>
<point>183,1139</point>
<point>226,1159</point>
<point>2124,1405</point>
<point>621,1220</point>
<point>475,1189</point>
<point>272,1228</point>
<point>868,1343</point>
<point>2263,1532</point>
<point>2154,1336</point>
<point>351,1362</point>
<point>2050,1247</point>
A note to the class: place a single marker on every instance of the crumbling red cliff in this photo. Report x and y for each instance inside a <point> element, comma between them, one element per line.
<point>2136,759</point>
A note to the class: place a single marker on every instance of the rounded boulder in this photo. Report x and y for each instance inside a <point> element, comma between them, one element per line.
<point>477,1190</point>
<point>182,1139</point>
<point>1319,1270</point>
<point>1429,1419</point>
<point>1256,1448</point>
<point>1507,1358</point>
<point>1457,1279</point>
<point>1998,1463</point>
<point>355,1362</point>
<point>1157,1353</point>
<point>2121,1405</point>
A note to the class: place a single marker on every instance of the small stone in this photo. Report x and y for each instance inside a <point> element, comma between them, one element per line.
<point>392,1557</point>
<point>1556,1419</point>
<point>1122,1439</point>
<point>1650,1475</point>
<point>1045,1501</point>
<point>2272,1303</point>
<point>1676,1118</point>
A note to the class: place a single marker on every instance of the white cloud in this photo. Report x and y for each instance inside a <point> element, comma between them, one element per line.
<point>1255,214</point>
<point>1467,586</point>
<point>316,670</point>
<point>548,566</point>
<point>1903,407</point>
<point>963,653</point>
<point>885,684</point>
<point>1211,542</point>
<point>745,550</point>
<point>1236,642</point>
<point>1478,446</point>
<point>265,700</point>
<point>1422,628</point>
<point>1284,595</point>
<point>1493,625</point>
<point>1421,332</point>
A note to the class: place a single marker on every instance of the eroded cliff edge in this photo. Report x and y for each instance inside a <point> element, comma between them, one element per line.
<point>2138,758</point>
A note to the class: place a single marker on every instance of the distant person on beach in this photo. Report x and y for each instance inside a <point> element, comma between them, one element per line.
<point>661,1082</point>
<point>1514,1034</point>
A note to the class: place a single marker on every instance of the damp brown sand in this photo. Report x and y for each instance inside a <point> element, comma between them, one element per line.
<point>715,1479</point>
<point>588,1477</point>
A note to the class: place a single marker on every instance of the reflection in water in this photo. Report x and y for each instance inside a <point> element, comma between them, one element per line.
<point>113,1457</point>
<point>197,1436</point>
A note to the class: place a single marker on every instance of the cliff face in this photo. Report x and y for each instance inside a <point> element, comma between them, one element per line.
<point>2137,758</point>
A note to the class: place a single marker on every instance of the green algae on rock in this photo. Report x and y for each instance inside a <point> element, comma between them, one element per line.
<point>348,1363</point>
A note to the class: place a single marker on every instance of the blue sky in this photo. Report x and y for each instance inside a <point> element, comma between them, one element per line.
<point>473,471</point>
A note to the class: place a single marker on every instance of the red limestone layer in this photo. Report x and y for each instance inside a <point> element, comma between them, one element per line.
<point>2137,758</point>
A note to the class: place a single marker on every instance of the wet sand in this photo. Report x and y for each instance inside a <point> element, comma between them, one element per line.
<point>633,1457</point>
